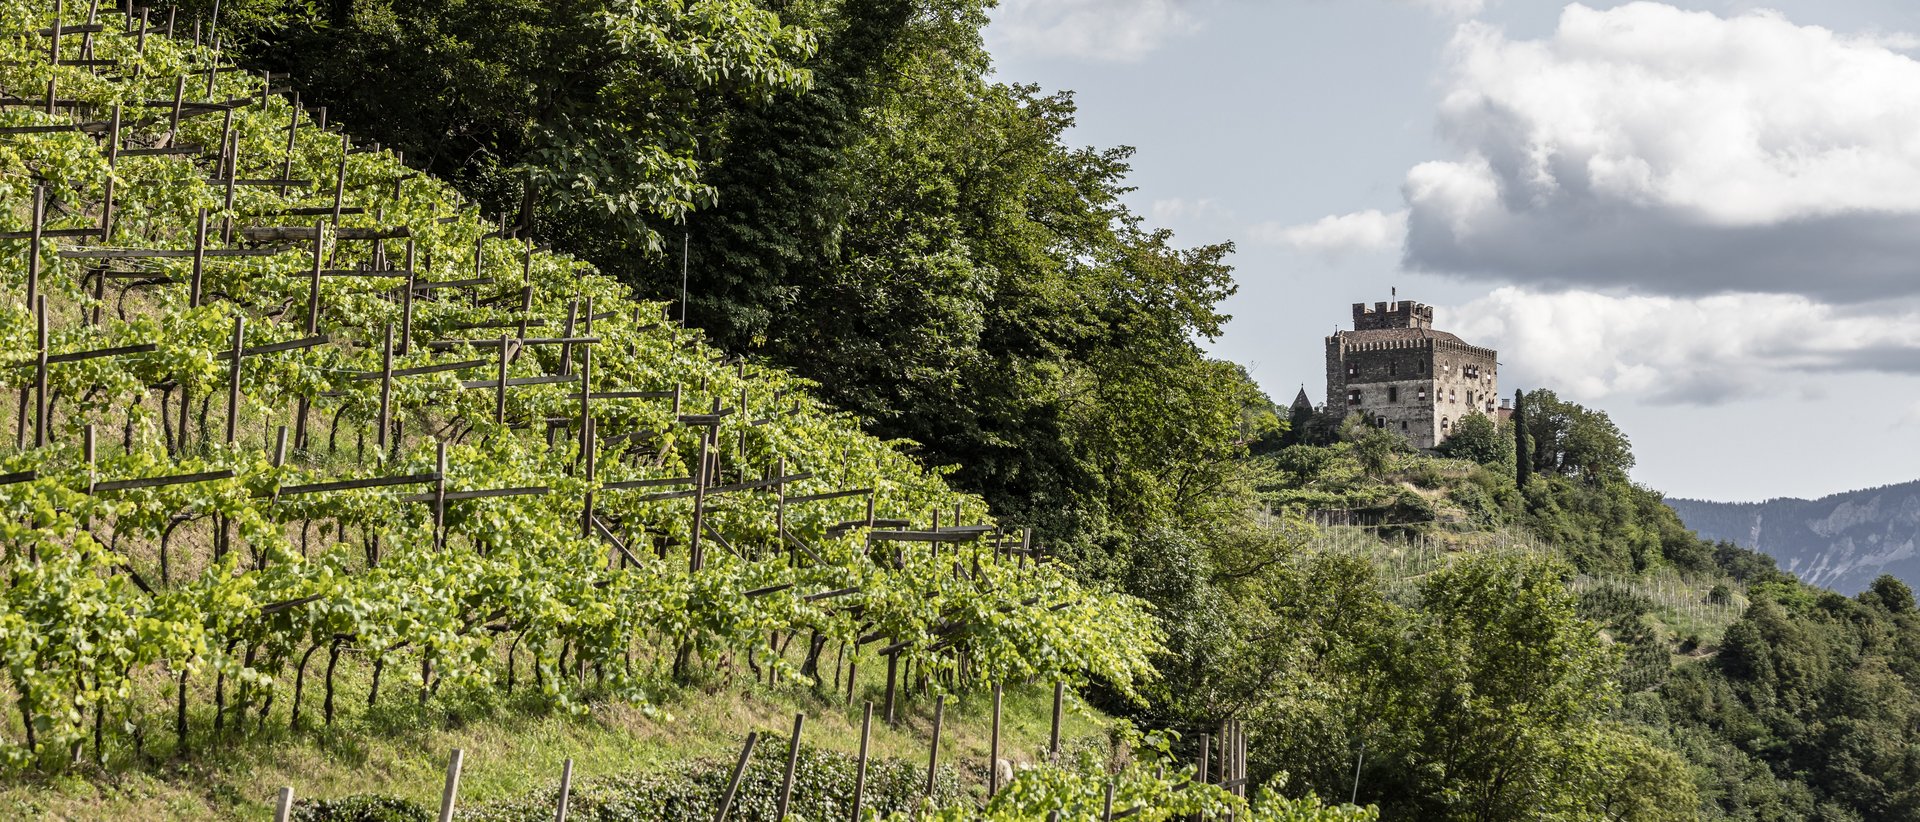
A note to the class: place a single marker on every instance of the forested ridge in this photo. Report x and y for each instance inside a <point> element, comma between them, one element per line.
<point>1514,629</point>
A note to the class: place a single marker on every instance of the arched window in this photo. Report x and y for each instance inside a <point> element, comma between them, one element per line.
<point>1445,424</point>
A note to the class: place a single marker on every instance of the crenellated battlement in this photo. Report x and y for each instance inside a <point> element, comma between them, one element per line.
<point>1397,314</point>
<point>1402,374</point>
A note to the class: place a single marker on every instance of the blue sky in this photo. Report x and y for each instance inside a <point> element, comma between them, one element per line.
<point>1701,217</point>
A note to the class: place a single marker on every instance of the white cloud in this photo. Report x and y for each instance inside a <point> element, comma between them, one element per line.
<point>1110,30</point>
<point>1449,8</point>
<point>1183,210</point>
<point>1677,151</point>
<point>1593,346</point>
<point>1337,234</point>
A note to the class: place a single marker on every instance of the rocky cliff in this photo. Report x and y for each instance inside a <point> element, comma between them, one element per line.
<point>1841,541</point>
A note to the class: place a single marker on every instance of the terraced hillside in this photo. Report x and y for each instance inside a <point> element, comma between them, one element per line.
<point>287,409</point>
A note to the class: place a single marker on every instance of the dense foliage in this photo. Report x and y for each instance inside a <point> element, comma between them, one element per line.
<point>162,577</point>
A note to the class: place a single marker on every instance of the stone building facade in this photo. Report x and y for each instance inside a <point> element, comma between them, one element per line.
<point>1405,376</point>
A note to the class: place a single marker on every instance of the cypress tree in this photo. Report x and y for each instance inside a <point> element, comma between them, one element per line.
<point>1522,456</point>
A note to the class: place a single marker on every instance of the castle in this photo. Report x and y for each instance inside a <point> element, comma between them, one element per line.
<point>1404,376</point>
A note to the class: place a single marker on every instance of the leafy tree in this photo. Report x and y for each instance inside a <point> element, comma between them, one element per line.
<point>1479,438</point>
<point>1572,440</point>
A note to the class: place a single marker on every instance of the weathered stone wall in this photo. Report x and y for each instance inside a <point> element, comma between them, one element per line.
<point>1420,387</point>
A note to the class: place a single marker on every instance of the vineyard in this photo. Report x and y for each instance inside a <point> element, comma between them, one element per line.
<point>287,408</point>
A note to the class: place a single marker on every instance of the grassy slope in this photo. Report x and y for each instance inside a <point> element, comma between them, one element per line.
<point>511,749</point>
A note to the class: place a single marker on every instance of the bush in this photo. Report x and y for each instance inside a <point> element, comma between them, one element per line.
<point>360,808</point>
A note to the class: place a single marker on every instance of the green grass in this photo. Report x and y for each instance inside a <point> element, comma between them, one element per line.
<point>511,749</point>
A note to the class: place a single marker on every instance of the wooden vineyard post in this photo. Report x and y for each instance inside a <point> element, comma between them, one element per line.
<point>586,431</point>
<point>1106,806</point>
<point>793,761</point>
<point>440,496</point>
<point>406,304</point>
<point>1200,767</point>
<point>283,805</point>
<point>33,244</point>
<point>566,789</point>
<point>1053,738</point>
<point>304,405</point>
<point>233,377</point>
<point>41,405</point>
<point>452,790</point>
<point>933,749</point>
<point>199,260</point>
<point>860,768</point>
<point>113,159</point>
<point>695,558</point>
<point>293,140</point>
<point>733,784</point>
<point>340,176</point>
<point>500,392</point>
<point>386,390</point>
<point>993,746</point>
<point>893,673</point>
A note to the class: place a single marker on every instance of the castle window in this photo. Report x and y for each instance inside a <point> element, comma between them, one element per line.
<point>1445,425</point>
<point>1353,396</point>
<point>1393,394</point>
<point>1403,425</point>
<point>1423,367</point>
<point>1393,368</point>
<point>1469,397</point>
<point>1423,394</point>
<point>1353,370</point>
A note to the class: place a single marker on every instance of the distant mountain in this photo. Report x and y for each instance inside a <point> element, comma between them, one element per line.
<point>1840,542</point>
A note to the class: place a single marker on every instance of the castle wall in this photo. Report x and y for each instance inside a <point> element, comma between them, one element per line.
<point>1418,387</point>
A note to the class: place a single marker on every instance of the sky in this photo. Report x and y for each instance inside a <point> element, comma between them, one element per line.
<point>1700,217</point>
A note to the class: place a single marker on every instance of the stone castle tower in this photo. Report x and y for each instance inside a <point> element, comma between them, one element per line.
<point>1405,376</point>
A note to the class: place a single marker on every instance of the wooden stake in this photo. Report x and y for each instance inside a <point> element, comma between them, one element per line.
<point>283,806</point>
<point>733,784</point>
<point>386,388</point>
<point>893,673</point>
<point>993,746</point>
<point>40,374</point>
<point>33,244</point>
<point>500,391</point>
<point>233,377</point>
<point>1053,739</point>
<point>860,768</point>
<point>199,259</point>
<point>566,789</point>
<point>933,750</point>
<point>406,304</point>
<point>452,790</point>
<point>793,760</point>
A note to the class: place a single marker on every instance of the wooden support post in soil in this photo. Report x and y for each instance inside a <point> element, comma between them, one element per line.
<point>40,373</point>
<point>199,260</point>
<point>1200,767</point>
<point>452,789</point>
<point>283,805</point>
<point>860,767</point>
<point>566,790</point>
<point>500,391</point>
<point>733,783</point>
<point>113,159</point>
<point>386,389</point>
<point>1053,738</point>
<point>340,177</point>
<point>695,559</point>
<point>406,304</point>
<point>33,243</point>
<point>440,494</point>
<point>793,761</point>
<point>1106,806</point>
<point>179,97</point>
<point>293,140</point>
<point>305,405</point>
<point>233,377</point>
<point>893,674</point>
<point>993,746</point>
<point>780,510</point>
<point>933,749</point>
